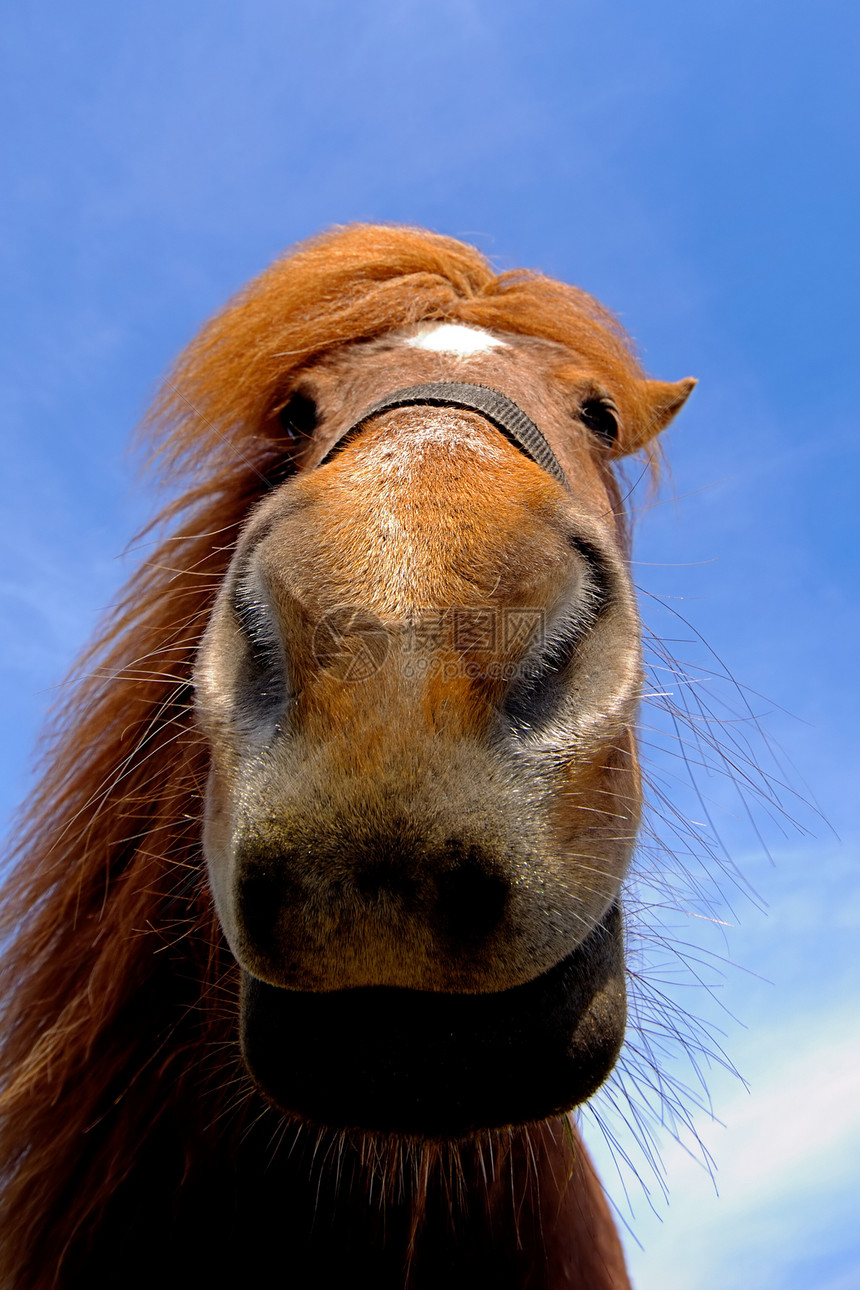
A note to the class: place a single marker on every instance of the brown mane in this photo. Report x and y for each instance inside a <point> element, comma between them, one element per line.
<point>117,981</point>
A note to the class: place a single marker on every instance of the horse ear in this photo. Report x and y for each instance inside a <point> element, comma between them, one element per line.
<point>662,400</point>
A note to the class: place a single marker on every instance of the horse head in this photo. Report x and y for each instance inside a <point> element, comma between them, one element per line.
<point>419,687</point>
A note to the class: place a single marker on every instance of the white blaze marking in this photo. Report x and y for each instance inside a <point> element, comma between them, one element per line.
<point>454,338</point>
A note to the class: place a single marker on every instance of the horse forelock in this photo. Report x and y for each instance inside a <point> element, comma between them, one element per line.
<point>356,284</point>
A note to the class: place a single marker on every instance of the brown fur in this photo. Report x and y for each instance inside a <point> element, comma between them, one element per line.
<point>120,991</point>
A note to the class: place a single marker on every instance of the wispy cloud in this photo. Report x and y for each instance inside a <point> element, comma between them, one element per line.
<point>780,1210</point>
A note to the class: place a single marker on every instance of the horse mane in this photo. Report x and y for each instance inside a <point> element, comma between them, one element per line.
<point>118,989</point>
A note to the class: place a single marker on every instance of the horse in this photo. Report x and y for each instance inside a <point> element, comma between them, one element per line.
<point>314,933</point>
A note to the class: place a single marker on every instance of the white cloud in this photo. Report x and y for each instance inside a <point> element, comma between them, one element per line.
<point>778,1214</point>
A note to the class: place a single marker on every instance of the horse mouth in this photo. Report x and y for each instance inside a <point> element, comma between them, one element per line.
<point>440,1065</point>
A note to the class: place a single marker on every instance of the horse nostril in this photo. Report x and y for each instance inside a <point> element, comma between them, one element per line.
<point>261,893</point>
<point>472,899</point>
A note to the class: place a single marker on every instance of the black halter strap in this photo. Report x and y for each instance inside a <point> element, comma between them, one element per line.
<point>504,414</point>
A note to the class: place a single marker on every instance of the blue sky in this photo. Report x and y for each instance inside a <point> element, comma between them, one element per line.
<point>695,166</point>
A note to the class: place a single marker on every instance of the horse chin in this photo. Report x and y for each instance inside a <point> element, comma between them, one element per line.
<point>437,1065</point>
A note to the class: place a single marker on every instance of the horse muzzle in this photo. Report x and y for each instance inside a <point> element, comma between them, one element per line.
<point>428,1064</point>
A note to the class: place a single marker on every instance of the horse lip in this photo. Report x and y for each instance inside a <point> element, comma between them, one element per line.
<point>440,1065</point>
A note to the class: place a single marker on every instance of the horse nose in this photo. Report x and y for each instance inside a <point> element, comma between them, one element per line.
<point>455,894</point>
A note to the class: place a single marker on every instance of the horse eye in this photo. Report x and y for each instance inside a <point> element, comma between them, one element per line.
<point>298,417</point>
<point>601,418</point>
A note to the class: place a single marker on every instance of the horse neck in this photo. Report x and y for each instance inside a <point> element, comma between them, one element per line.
<point>523,1212</point>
